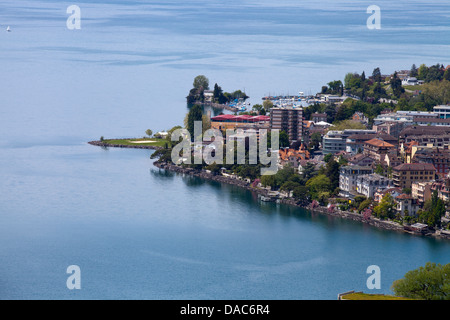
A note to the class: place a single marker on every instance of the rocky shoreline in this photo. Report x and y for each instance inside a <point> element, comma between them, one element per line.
<point>106,145</point>
<point>372,221</point>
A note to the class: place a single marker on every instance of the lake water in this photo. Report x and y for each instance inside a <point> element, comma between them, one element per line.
<point>138,233</point>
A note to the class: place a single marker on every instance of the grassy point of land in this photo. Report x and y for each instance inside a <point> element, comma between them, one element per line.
<point>137,142</point>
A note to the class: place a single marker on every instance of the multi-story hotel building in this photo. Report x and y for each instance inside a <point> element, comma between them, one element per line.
<point>407,173</point>
<point>289,120</point>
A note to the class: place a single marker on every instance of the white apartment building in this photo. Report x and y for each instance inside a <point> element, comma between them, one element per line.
<point>368,184</point>
<point>348,177</point>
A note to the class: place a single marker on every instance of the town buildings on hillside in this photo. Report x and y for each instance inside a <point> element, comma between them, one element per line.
<point>404,154</point>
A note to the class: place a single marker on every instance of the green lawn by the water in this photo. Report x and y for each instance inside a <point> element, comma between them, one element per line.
<point>137,142</point>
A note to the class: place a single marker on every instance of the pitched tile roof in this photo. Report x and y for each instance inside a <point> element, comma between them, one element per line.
<point>379,143</point>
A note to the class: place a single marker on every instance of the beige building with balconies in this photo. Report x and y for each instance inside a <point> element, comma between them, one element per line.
<point>406,174</point>
<point>421,190</point>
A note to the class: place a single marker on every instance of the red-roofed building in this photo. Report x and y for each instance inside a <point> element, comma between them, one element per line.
<point>229,121</point>
<point>293,156</point>
<point>380,193</point>
<point>377,149</point>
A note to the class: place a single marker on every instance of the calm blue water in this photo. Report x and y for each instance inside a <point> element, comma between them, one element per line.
<point>138,233</point>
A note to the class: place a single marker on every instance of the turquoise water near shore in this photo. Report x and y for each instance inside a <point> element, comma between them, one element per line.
<point>139,233</point>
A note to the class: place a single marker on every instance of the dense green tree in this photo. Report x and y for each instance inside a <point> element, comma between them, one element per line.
<point>309,171</point>
<point>414,72</point>
<point>437,92</point>
<point>365,204</point>
<point>284,174</point>
<point>195,95</point>
<point>317,184</point>
<point>342,161</point>
<point>289,185</point>
<point>219,96</point>
<point>308,111</point>
<point>446,75</point>
<point>376,75</point>
<point>347,80</point>
<point>163,155</point>
<point>344,112</point>
<point>248,171</point>
<point>201,82</point>
<point>301,194</point>
<point>217,91</point>
<point>194,114</point>
<point>435,73</point>
<point>257,108</point>
<point>323,197</point>
<point>422,72</point>
<point>238,94</point>
<point>267,104</point>
<point>379,169</point>
<point>315,140</point>
<point>269,181</point>
<point>386,208</point>
<point>355,83</point>
<point>433,211</point>
<point>335,87</point>
<point>332,172</point>
<point>328,157</point>
<point>214,168</point>
<point>431,282</point>
<point>396,85</point>
<point>284,139</point>
<point>330,110</point>
<point>377,91</point>
<point>169,136</point>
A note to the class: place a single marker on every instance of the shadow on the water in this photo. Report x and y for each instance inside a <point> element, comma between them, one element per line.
<point>161,174</point>
<point>189,180</point>
<point>248,199</point>
<point>193,181</point>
